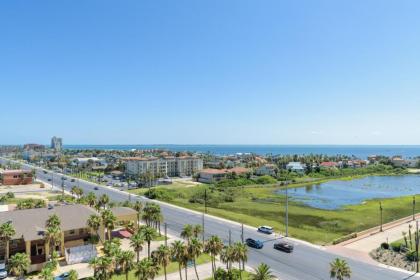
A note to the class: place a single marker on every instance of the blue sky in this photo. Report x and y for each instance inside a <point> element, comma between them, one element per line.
<point>219,72</point>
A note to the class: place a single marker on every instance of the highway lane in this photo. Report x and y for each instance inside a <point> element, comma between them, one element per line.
<point>305,263</point>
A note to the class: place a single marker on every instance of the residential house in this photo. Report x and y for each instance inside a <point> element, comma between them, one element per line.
<point>214,175</point>
<point>30,236</point>
<point>296,167</point>
<point>267,169</point>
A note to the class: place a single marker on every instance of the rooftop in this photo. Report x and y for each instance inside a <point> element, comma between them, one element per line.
<point>30,223</point>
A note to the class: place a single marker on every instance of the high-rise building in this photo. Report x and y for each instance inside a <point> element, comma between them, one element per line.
<point>56,144</point>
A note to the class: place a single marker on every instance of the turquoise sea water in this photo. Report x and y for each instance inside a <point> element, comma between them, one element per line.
<point>336,194</point>
<point>358,151</point>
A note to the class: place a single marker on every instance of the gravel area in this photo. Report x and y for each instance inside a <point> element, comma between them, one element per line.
<point>392,258</point>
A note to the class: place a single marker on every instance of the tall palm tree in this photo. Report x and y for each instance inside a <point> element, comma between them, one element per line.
<point>53,232</point>
<point>125,261</point>
<point>109,220</point>
<point>18,263</point>
<point>262,272</point>
<point>94,223</point>
<point>163,257</point>
<point>7,231</point>
<point>241,252</point>
<point>103,267</point>
<point>195,248</point>
<point>227,256</point>
<point>53,221</point>
<point>137,242</point>
<point>138,206</point>
<point>214,247</point>
<point>103,201</point>
<point>178,253</point>
<point>187,232</point>
<point>148,234</point>
<point>91,199</point>
<point>146,269</point>
<point>197,230</point>
<point>339,269</point>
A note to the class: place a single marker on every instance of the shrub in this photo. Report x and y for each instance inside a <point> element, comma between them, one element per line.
<point>411,256</point>
<point>159,193</point>
<point>344,238</point>
<point>396,246</point>
<point>385,246</point>
<point>266,179</point>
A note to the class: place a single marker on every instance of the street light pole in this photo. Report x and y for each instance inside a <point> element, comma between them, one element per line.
<point>417,246</point>
<point>380,211</point>
<point>166,234</point>
<point>414,207</point>
<point>287,211</point>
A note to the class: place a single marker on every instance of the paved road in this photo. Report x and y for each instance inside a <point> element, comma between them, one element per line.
<point>305,263</point>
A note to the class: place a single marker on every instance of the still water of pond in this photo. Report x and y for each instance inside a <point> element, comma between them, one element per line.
<point>336,194</point>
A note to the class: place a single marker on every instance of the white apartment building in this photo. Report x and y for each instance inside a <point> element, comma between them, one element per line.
<point>168,166</point>
<point>56,144</point>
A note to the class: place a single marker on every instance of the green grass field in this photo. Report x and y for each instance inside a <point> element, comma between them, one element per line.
<point>258,204</point>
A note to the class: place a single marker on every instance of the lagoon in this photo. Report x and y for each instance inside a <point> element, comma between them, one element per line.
<point>336,194</point>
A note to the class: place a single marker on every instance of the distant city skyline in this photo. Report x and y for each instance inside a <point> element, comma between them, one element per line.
<point>210,72</point>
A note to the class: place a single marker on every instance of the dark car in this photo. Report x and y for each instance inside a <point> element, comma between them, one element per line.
<point>96,188</point>
<point>284,246</point>
<point>62,276</point>
<point>257,244</point>
<point>49,179</point>
<point>72,180</point>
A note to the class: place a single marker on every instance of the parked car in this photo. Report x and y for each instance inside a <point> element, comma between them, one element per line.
<point>96,188</point>
<point>3,271</point>
<point>62,276</point>
<point>72,180</point>
<point>284,246</point>
<point>266,229</point>
<point>49,179</point>
<point>257,244</point>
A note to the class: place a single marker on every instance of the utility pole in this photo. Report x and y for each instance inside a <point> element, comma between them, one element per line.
<point>414,207</point>
<point>203,228</point>
<point>380,214</point>
<point>287,211</point>
<point>166,234</point>
<point>205,201</point>
<point>230,237</point>
<point>242,233</point>
<point>417,246</point>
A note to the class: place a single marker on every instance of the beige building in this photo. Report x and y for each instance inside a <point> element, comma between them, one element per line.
<point>167,166</point>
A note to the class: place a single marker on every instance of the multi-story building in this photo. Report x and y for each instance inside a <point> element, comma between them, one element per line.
<point>56,144</point>
<point>161,167</point>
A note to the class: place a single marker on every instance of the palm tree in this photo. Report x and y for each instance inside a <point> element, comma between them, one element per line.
<point>91,199</point>
<point>339,269</point>
<point>108,220</point>
<point>73,275</point>
<point>53,232</point>
<point>148,234</point>
<point>103,201</point>
<point>103,267</point>
<point>138,206</point>
<point>7,231</point>
<point>262,272</point>
<point>195,248</point>
<point>163,257</point>
<point>94,223</point>
<point>214,247</point>
<point>241,252</point>
<point>125,261</point>
<point>53,221</point>
<point>18,263</point>
<point>187,232</point>
<point>197,230</point>
<point>146,269</point>
<point>137,242</point>
<point>178,253</point>
<point>227,256</point>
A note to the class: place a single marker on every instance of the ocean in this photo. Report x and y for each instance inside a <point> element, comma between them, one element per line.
<point>361,151</point>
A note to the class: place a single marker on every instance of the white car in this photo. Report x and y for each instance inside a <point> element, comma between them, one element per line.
<point>266,229</point>
<point>3,271</point>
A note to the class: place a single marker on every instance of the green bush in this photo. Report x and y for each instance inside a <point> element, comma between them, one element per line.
<point>411,256</point>
<point>396,246</point>
<point>385,246</point>
<point>266,179</point>
<point>160,194</point>
<point>344,238</point>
